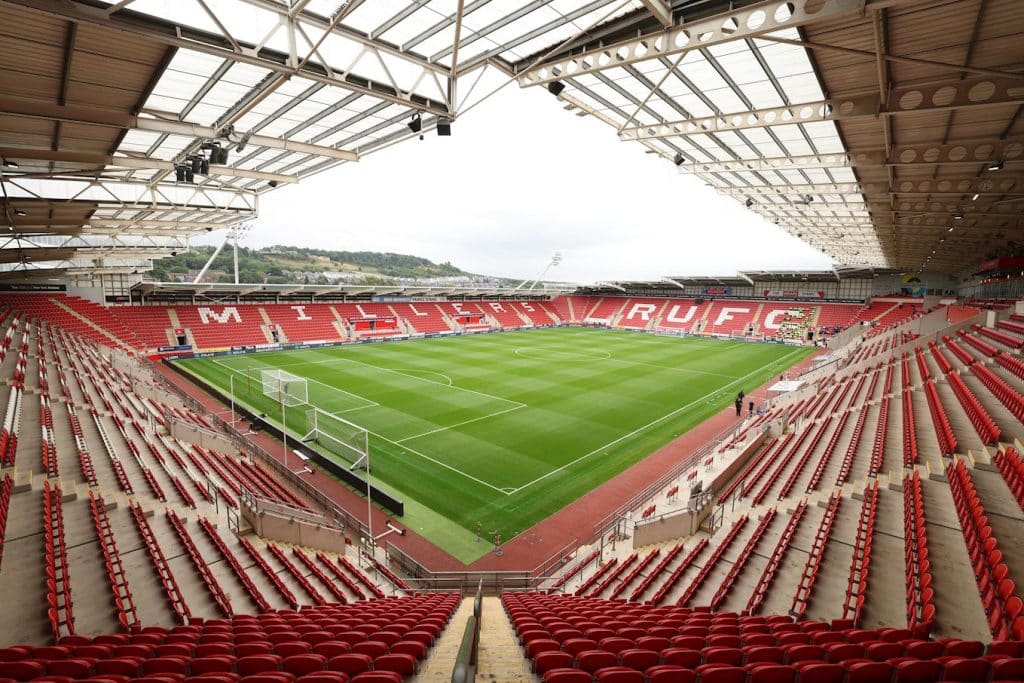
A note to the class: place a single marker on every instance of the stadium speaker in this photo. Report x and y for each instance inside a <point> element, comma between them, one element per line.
<point>698,301</point>
<point>556,88</point>
<point>444,126</point>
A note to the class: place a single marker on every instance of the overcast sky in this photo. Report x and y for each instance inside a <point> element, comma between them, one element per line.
<point>520,179</point>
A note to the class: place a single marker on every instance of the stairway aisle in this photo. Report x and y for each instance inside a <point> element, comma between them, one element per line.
<point>437,667</point>
<point>501,658</point>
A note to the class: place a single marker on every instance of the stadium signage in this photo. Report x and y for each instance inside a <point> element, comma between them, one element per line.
<point>22,287</point>
<point>794,293</point>
<point>173,349</point>
<point>717,291</point>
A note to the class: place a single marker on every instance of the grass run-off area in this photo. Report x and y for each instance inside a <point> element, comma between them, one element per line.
<point>505,429</point>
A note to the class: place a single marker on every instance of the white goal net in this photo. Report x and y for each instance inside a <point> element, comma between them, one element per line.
<point>338,436</point>
<point>284,387</point>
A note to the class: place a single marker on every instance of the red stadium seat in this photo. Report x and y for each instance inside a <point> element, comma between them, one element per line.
<point>567,676</point>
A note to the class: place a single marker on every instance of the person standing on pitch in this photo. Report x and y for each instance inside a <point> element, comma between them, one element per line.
<point>750,408</point>
<point>739,406</point>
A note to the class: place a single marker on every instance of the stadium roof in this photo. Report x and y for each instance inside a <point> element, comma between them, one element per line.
<point>885,132</point>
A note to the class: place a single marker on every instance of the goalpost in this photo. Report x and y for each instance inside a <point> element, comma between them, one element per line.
<point>285,388</point>
<point>338,436</point>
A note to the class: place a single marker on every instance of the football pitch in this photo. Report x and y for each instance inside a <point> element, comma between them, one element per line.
<point>502,430</point>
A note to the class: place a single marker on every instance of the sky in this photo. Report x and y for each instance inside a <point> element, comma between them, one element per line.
<point>520,179</point>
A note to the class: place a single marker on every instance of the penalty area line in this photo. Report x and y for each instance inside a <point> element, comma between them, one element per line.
<point>459,424</point>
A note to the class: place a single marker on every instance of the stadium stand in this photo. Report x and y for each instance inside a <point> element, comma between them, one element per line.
<point>861,528</point>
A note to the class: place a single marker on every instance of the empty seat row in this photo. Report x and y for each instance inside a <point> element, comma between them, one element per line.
<point>656,573</point>
<point>56,572</point>
<point>202,568</point>
<point>710,564</point>
<point>860,565</point>
<point>1008,460</point>
<point>771,569</point>
<point>576,569</point>
<point>805,588</point>
<point>1007,395</point>
<point>910,452</point>
<point>940,419</point>
<point>635,572</point>
<point>998,592</point>
<point>920,595</point>
<point>741,560</point>
<point>124,603</point>
<point>1003,337</point>
<point>905,671</point>
<point>984,425</point>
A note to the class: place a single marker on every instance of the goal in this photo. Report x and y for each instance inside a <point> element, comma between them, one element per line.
<point>339,437</point>
<point>284,387</point>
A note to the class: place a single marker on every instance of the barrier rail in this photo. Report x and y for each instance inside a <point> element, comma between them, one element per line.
<point>464,670</point>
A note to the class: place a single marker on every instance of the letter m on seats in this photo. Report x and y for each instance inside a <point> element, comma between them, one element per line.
<point>228,314</point>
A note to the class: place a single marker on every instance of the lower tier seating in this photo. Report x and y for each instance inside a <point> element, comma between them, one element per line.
<point>584,640</point>
<point>378,641</point>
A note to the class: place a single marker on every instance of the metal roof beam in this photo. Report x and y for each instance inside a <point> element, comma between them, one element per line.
<point>996,184</point>
<point>18,153</point>
<point>794,163</point>
<point>661,9</point>
<point>748,22</point>
<point>38,109</point>
<point>908,99</point>
<point>155,29</point>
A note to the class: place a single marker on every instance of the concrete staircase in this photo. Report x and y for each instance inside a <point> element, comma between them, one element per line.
<point>501,657</point>
<point>437,667</point>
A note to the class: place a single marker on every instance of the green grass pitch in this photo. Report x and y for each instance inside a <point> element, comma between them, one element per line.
<point>506,429</point>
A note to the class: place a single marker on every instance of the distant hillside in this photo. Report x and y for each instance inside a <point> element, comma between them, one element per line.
<point>292,265</point>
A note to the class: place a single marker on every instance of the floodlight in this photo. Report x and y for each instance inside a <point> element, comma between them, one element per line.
<point>10,163</point>
<point>958,216</point>
<point>975,197</point>
<point>749,203</point>
<point>197,164</point>
<point>416,124</point>
<point>996,166</point>
<point>678,159</point>
<point>179,173</point>
<point>556,88</point>
<point>444,126</point>
<point>20,212</point>
<point>242,143</point>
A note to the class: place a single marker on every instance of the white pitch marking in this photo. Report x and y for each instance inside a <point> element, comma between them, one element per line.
<point>423,379</point>
<point>644,427</point>
<point>369,403</point>
<point>459,424</point>
<point>442,464</point>
<point>609,357</point>
<point>402,446</point>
